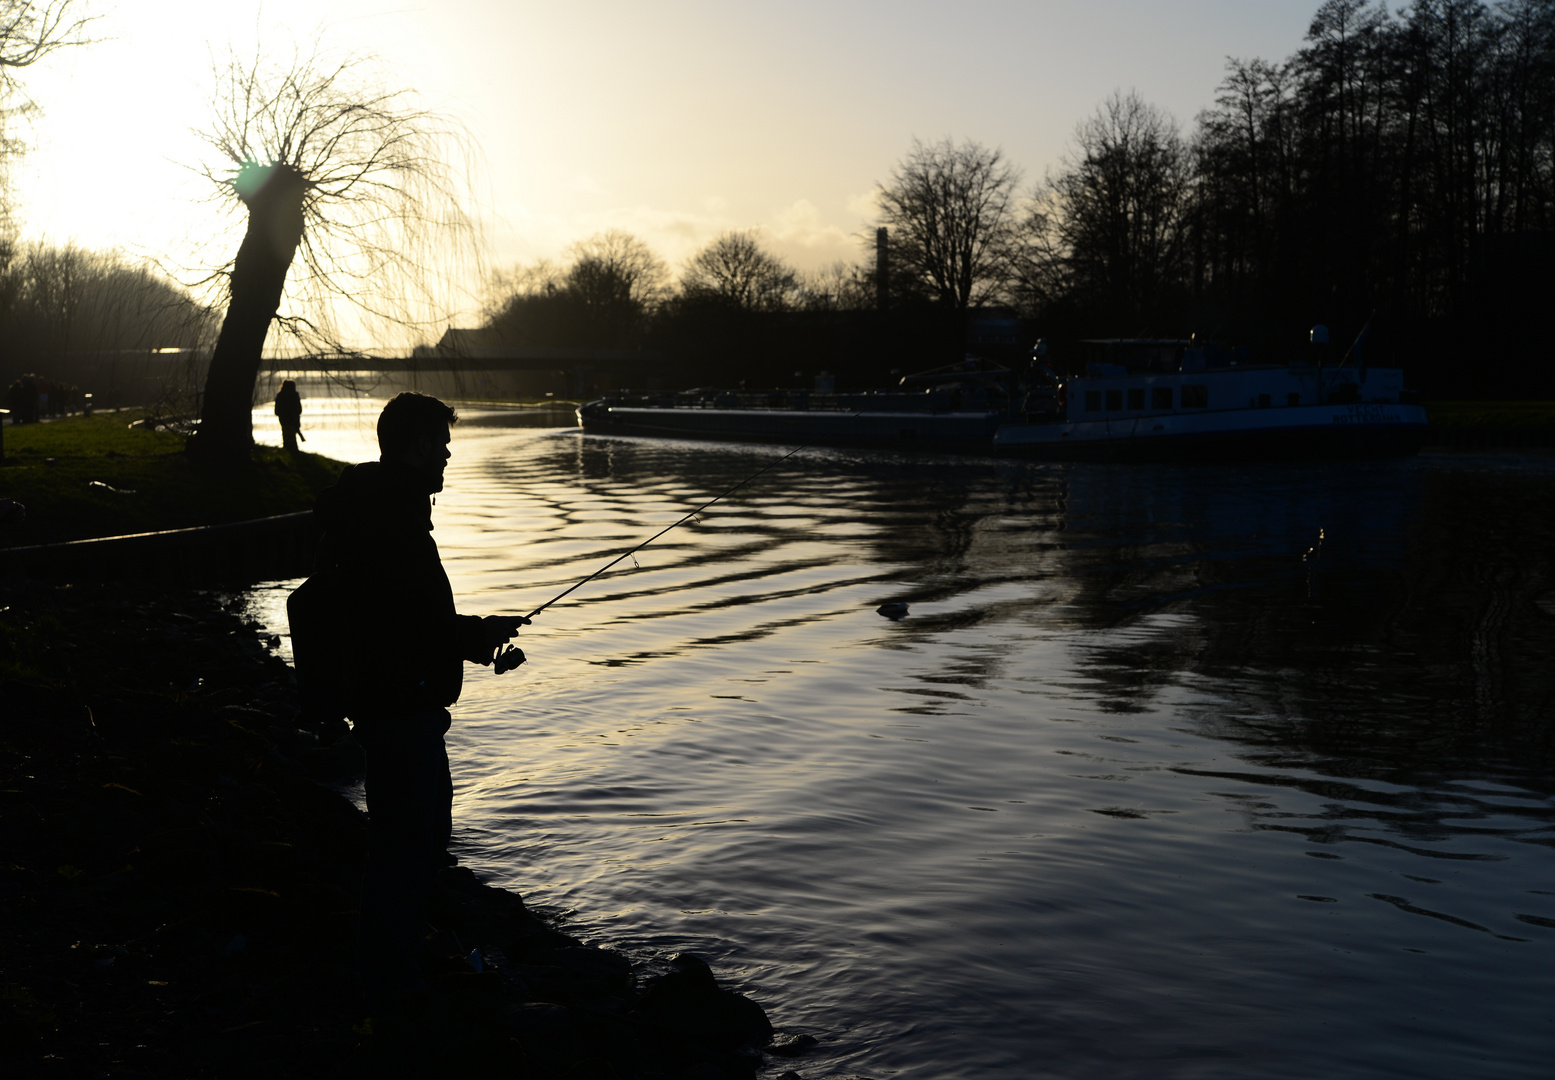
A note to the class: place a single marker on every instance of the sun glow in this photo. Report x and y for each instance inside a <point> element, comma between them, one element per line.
<point>675,122</point>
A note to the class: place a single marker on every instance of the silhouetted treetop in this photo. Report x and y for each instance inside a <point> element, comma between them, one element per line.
<point>602,299</point>
<point>615,268</point>
<point>30,31</point>
<point>1120,203</point>
<point>950,208</point>
<point>735,270</point>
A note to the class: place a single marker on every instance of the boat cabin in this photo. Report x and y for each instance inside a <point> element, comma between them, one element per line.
<point>1130,379</point>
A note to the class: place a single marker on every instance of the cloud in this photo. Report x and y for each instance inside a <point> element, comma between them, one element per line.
<point>866,206</point>
<point>800,236</point>
<point>800,224</point>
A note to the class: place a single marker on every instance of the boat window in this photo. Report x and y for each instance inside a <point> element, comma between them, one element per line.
<point>1093,401</point>
<point>1161,397</point>
<point>1114,401</point>
<point>1195,397</point>
<point>1293,399</point>
<point>1136,398</point>
<point>1264,401</point>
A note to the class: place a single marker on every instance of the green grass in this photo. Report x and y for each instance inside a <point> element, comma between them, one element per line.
<point>1496,414</point>
<point>51,468</point>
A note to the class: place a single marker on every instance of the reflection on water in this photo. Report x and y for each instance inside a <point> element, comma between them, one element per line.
<point>1211,772</point>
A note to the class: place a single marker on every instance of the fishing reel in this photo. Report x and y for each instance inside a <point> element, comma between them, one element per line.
<point>508,659</point>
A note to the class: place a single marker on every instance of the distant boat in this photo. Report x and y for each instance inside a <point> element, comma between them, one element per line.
<point>957,408</point>
<point>1152,400</point>
<point>1138,400</point>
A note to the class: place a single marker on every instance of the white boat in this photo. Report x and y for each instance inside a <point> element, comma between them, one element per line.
<point>1165,400</point>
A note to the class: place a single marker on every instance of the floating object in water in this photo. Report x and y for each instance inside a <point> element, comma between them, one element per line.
<point>892,611</point>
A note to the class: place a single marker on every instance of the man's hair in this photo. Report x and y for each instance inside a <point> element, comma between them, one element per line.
<point>408,417</point>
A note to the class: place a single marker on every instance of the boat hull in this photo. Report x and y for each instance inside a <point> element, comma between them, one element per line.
<point>1366,429</point>
<point>947,431</point>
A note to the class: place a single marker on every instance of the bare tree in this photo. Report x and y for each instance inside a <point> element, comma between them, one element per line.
<point>525,305</point>
<point>615,283</point>
<point>952,215</point>
<point>1040,270</point>
<point>58,278</point>
<point>603,299</point>
<point>615,268</point>
<point>29,32</point>
<point>837,286</point>
<point>734,269</point>
<point>1119,206</point>
<point>519,281</point>
<point>357,183</point>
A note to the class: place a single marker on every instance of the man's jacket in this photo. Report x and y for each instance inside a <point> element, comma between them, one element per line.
<point>379,633</point>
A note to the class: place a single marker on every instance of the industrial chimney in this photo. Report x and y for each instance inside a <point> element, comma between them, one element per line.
<point>882,269</point>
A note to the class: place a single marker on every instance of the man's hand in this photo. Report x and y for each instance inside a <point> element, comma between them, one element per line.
<point>499,628</point>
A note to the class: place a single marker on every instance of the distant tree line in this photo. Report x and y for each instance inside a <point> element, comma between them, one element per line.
<point>63,309</point>
<point>1397,171</point>
<point>736,312</point>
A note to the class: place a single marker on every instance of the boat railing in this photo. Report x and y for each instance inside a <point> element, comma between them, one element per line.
<point>935,400</point>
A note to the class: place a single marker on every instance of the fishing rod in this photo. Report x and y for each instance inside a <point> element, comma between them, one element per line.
<point>512,656</point>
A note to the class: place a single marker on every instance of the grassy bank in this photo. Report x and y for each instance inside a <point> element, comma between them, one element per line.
<point>1491,414</point>
<point>100,476</point>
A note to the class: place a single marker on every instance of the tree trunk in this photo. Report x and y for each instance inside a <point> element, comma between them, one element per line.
<point>274,196</point>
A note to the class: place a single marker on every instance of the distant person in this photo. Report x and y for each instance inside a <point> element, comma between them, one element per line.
<point>23,400</point>
<point>288,407</point>
<point>378,614</point>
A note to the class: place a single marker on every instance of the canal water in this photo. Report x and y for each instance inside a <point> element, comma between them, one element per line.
<point>1224,771</point>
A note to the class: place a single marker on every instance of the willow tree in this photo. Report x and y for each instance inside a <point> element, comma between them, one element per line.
<point>353,194</point>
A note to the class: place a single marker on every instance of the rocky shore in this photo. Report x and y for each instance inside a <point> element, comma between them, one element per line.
<point>178,886</point>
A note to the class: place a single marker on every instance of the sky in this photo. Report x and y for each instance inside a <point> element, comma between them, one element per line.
<point>674,120</point>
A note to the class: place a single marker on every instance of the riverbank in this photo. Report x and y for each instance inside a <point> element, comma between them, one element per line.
<point>1491,425</point>
<point>1491,414</point>
<point>179,886</point>
<point>110,475</point>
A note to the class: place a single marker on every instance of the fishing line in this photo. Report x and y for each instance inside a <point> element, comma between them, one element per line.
<point>632,551</point>
<point>511,657</point>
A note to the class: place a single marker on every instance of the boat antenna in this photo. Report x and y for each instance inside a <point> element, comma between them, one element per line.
<point>632,551</point>
<point>1358,339</point>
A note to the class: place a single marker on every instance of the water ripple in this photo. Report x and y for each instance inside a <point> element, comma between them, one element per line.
<point>1164,770</point>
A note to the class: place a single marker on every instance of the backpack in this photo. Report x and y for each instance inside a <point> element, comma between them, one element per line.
<point>321,633</point>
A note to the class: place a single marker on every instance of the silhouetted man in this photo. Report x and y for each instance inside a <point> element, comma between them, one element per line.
<point>400,668</point>
<point>288,409</point>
